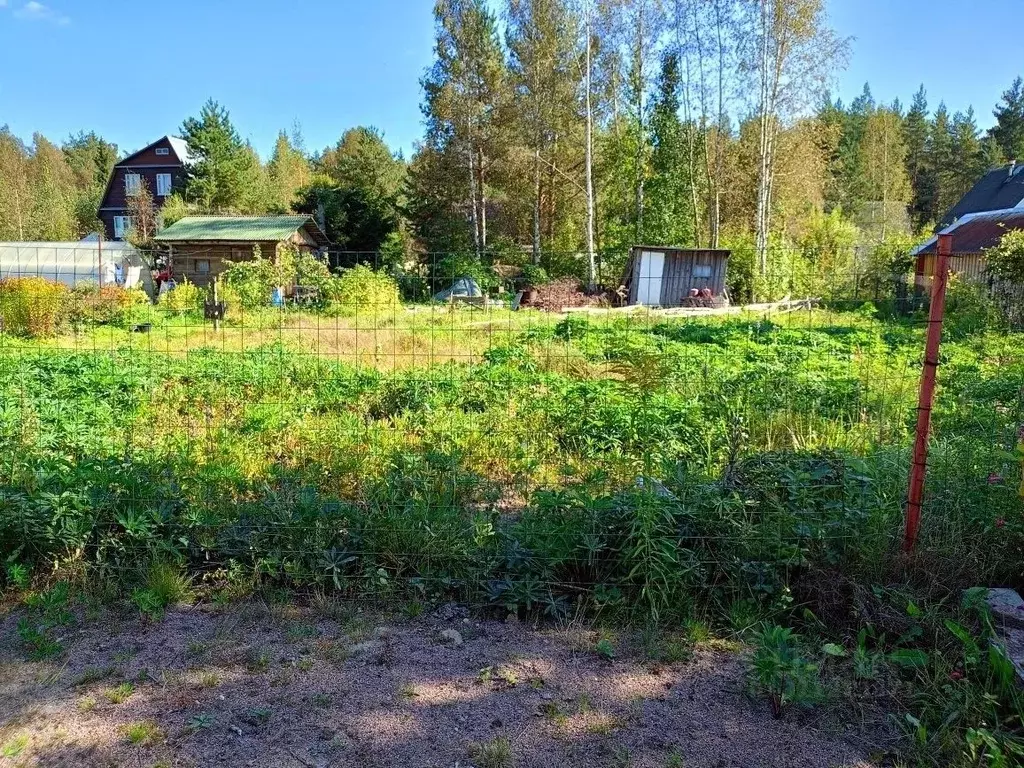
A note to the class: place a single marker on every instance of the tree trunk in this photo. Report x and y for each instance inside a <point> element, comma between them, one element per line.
<point>536,205</point>
<point>483,202</point>
<point>472,201</point>
<point>588,162</point>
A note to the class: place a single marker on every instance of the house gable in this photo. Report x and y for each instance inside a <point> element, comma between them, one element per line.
<point>997,190</point>
<point>163,161</point>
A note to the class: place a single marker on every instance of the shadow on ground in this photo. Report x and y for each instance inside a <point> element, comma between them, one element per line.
<point>282,686</point>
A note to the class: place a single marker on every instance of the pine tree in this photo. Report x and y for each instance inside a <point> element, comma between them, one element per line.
<point>939,168</point>
<point>465,92</point>
<point>1008,132</point>
<point>225,170</point>
<point>882,161</point>
<point>915,131</point>
<point>968,158</point>
<point>670,215</point>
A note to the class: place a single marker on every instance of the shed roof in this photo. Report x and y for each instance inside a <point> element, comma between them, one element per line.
<point>997,190</point>
<point>977,232</point>
<point>240,229</point>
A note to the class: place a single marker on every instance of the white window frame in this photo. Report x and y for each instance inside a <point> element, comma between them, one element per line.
<point>163,184</point>
<point>129,186</point>
<point>122,226</point>
<point>163,151</point>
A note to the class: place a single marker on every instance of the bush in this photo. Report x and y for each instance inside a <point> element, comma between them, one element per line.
<point>535,275</point>
<point>110,304</point>
<point>251,281</point>
<point>184,297</point>
<point>968,308</point>
<point>365,287</point>
<point>32,306</point>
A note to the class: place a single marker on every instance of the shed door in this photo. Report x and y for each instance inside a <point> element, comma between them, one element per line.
<point>652,267</point>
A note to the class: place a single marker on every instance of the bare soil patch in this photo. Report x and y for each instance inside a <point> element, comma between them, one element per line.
<point>259,685</point>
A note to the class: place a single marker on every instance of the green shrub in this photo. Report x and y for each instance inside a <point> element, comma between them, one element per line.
<point>110,304</point>
<point>968,307</point>
<point>250,282</point>
<point>184,297</point>
<point>362,287</point>
<point>32,306</point>
<point>535,275</point>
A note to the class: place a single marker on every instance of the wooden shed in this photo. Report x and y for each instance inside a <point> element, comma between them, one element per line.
<point>200,247</point>
<point>658,276</point>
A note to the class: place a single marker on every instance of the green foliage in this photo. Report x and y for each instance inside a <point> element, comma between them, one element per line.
<point>32,306</point>
<point>224,171</point>
<point>184,297</point>
<point>163,585</point>
<point>1006,260</point>
<point>91,304</point>
<point>779,670</point>
<point>534,275</point>
<point>364,288</point>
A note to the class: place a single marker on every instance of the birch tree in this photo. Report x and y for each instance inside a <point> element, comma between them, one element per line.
<point>790,54</point>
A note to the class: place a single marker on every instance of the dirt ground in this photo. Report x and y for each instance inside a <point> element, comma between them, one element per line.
<point>271,685</point>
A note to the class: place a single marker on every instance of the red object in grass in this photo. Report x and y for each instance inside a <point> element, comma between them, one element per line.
<point>956,674</point>
<point>1000,523</point>
<point>995,478</point>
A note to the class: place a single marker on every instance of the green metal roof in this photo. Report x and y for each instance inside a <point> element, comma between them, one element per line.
<point>240,228</point>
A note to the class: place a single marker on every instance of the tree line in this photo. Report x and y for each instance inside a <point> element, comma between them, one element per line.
<point>564,131</point>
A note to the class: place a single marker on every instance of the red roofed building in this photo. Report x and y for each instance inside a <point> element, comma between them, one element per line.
<point>973,235</point>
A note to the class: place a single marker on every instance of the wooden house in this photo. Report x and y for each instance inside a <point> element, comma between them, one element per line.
<point>198,248</point>
<point>161,167</point>
<point>658,276</point>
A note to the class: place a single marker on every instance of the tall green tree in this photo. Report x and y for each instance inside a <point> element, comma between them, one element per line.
<point>940,161</point>
<point>915,131</point>
<point>53,192</point>
<point>791,51</point>
<point>671,211</point>
<point>225,169</point>
<point>91,160</point>
<point>544,61</point>
<point>289,171</point>
<point>15,188</point>
<point>968,158</point>
<point>1008,132</point>
<point>882,155</point>
<point>465,91</point>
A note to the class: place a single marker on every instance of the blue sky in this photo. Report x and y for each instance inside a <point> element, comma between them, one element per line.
<point>67,65</point>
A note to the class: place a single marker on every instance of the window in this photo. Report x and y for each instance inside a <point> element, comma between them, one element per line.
<point>163,184</point>
<point>203,266</point>
<point>163,151</point>
<point>122,225</point>
<point>702,270</point>
<point>132,182</point>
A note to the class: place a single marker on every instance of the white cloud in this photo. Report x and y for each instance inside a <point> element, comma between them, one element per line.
<point>36,11</point>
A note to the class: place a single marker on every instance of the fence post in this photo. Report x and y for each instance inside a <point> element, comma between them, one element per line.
<point>919,464</point>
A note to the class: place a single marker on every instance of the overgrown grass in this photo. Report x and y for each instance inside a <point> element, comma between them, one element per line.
<point>730,472</point>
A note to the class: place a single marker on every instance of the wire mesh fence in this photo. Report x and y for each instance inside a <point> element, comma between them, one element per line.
<point>485,437</point>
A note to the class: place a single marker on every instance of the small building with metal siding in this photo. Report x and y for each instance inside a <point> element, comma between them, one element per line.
<point>667,277</point>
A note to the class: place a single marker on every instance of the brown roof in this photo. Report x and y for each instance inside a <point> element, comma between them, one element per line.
<point>978,232</point>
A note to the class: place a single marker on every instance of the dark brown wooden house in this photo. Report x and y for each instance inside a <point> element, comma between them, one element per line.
<point>161,166</point>
<point>199,247</point>
<point>658,276</point>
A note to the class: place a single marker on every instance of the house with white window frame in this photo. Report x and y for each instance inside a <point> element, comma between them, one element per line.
<point>161,166</point>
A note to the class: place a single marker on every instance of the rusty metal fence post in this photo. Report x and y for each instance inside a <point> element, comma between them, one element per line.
<point>919,463</point>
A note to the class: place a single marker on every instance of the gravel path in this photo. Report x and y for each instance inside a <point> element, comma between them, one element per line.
<point>284,686</point>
